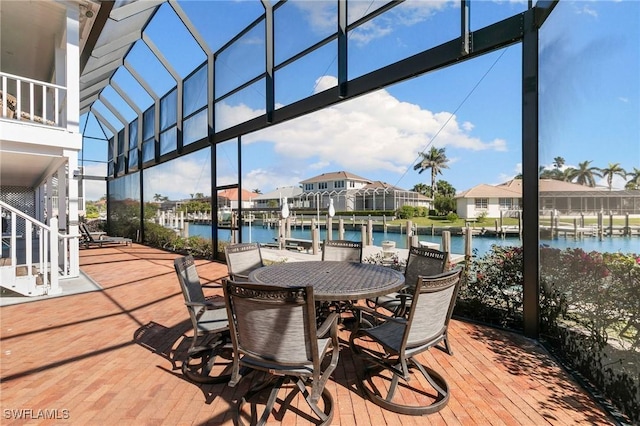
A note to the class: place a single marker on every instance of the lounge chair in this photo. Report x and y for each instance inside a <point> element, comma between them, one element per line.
<point>87,240</point>
<point>273,330</point>
<point>390,348</point>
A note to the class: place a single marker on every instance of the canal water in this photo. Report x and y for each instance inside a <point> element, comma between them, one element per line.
<point>481,243</point>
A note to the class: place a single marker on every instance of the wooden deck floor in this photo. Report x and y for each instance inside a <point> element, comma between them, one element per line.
<point>82,359</point>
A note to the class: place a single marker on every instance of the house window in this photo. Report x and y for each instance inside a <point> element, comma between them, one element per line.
<point>482,203</point>
<point>322,185</point>
<point>506,203</point>
<point>352,184</point>
<point>308,187</point>
<point>338,184</point>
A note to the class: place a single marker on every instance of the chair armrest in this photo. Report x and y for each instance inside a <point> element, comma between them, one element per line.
<point>211,286</point>
<point>377,314</point>
<point>208,304</point>
<point>239,277</point>
<point>331,321</point>
<point>402,309</point>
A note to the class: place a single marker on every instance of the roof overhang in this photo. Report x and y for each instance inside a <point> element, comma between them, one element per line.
<point>117,27</point>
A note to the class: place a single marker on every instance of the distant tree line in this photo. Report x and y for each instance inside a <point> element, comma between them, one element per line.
<point>585,174</point>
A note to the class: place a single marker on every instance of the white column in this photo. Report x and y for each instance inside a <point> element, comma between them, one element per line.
<point>60,57</point>
<point>62,197</point>
<point>74,248</point>
<point>48,197</point>
<point>73,68</point>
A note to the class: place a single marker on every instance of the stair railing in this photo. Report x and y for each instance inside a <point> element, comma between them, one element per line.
<point>54,248</point>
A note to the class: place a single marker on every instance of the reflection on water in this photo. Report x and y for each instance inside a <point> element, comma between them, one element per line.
<point>481,244</point>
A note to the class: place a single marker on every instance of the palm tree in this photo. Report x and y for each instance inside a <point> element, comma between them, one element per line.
<point>558,162</point>
<point>585,175</point>
<point>257,191</point>
<point>421,188</point>
<point>610,171</point>
<point>634,181</point>
<point>436,160</point>
<point>568,174</point>
<point>545,173</point>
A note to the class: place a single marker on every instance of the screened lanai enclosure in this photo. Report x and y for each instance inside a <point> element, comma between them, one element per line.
<point>184,99</point>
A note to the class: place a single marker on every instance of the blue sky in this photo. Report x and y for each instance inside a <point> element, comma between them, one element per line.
<point>589,107</point>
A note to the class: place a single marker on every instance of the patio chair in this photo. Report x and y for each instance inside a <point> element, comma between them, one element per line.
<point>388,351</point>
<point>339,250</point>
<point>421,261</point>
<point>342,250</point>
<point>242,258</point>
<point>87,240</point>
<point>273,330</point>
<point>210,326</point>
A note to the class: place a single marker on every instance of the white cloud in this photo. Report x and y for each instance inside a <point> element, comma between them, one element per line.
<point>321,16</point>
<point>588,11</point>
<point>257,178</point>
<point>375,132</point>
<point>581,8</point>
<point>616,183</point>
<point>228,116</point>
<point>623,99</point>
<point>178,178</point>
<point>325,82</point>
<point>94,189</point>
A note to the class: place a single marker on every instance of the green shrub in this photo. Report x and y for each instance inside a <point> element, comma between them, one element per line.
<point>452,217</point>
<point>482,216</point>
<point>406,212</point>
<point>589,311</point>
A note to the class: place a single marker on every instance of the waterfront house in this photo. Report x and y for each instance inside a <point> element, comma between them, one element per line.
<point>233,198</point>
<point>564,198</point>
<point>273,199</point>
<point>351,192</point>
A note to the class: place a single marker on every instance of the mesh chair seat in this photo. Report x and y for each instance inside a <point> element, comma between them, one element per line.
<point>212,320</point>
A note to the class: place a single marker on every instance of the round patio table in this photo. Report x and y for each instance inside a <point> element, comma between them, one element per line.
<point>332,280</point>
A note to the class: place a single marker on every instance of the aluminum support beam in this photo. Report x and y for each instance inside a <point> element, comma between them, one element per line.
<point>530,183</point>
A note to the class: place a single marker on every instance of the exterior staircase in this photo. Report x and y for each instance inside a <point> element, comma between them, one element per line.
<point>21,280</point>
<point>56,256</point>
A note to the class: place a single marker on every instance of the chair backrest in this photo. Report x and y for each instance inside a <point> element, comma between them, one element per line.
<point>84,230</point>
<point>276,324</point>
<point>431,308</point>
<point>342,250</point>
<point>242,258</point>
<point>189,280</point>
<point>424,261</point>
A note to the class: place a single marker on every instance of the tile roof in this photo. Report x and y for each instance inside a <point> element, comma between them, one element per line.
<point>336,176</point>
<point>232,194</point>
<point>286,191</point>
<point>513,188</point>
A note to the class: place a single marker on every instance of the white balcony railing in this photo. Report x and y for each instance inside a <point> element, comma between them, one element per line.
<point>31,100</point>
